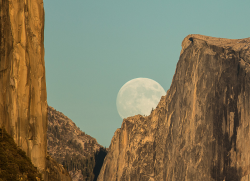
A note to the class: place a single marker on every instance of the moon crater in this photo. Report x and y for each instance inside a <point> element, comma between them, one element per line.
<point>138,96</point>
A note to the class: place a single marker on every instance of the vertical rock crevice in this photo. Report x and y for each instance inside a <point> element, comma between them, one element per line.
<point>23,97</point>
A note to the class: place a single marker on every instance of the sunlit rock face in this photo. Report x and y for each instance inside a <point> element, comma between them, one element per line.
<point>23,102</point>
<point>200,129</point>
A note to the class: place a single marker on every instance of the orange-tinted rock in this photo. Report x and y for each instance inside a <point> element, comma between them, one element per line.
<point>23,97</point>
<point>55,171</point>
<point>200,129</point>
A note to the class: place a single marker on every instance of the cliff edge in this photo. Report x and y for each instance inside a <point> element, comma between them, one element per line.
<point>23,97</point>
<point>200,129</point>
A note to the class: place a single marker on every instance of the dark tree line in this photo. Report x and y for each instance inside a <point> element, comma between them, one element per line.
<point>90,166</point>
<point>84,157</point>
<point>76,162</point>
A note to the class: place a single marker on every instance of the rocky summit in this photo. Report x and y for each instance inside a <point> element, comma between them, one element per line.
<point>200,129</point>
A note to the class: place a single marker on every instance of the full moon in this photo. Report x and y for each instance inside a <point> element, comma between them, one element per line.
<point>138,96</point>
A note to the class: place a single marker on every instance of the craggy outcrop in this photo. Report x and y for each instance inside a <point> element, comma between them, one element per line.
<point>200,129</point>
<point>23,97</point>
<point>68,145</point>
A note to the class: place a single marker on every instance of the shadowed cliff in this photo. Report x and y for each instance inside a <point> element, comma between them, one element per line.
<point>200,129</point>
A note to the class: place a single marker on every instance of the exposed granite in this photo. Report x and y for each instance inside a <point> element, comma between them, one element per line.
<point>200,129</point>
<point>23,97</point>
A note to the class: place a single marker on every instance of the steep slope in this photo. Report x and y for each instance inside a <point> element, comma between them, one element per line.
<point>23,97</point>
<point>68,145</point>
<point>14,164</point>
<point>200,129</point>
<point>55,171</point>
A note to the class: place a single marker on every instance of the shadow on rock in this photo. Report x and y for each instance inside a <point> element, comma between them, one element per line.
<point>99,159</point>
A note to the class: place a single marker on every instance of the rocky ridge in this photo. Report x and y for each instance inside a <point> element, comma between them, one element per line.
<point>200,129</point>
<point>69,146</point>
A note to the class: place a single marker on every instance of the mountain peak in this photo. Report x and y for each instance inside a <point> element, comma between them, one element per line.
<point>200,129</point>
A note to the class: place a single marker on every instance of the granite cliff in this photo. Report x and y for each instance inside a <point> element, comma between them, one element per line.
<point>23,97</point>
<point>200,129</point>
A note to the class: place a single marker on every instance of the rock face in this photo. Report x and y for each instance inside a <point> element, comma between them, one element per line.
<point>23,97</point>
<point>65,137</point>
<point>75,150</point>
<point>200,129</point>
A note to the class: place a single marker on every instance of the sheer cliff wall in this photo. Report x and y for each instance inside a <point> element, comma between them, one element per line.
<point>23,97</point>
<point>200,129</point>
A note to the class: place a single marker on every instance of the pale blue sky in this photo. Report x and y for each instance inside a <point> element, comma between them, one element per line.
<point>93,47</point>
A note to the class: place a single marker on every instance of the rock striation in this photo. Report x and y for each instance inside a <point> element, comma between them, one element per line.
<point>23,97</point>
<point>200,129</point>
